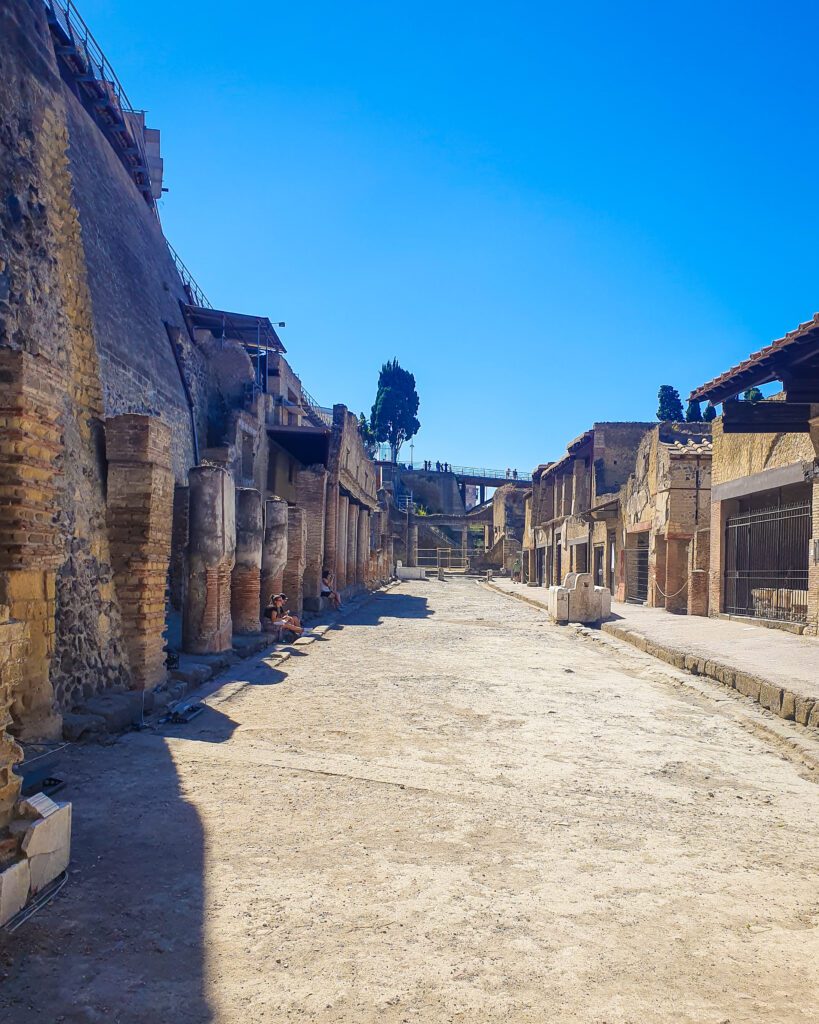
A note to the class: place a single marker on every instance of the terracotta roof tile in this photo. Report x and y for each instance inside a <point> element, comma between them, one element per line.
<point>718,387</point>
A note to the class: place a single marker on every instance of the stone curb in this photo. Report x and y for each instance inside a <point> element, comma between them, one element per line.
<point>781,701</point>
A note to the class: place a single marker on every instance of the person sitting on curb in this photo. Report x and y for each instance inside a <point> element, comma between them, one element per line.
<point>329,591</point>
<point>278,620</point>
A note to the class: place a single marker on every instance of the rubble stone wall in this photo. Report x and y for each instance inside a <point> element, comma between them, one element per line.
<point>90,328</point>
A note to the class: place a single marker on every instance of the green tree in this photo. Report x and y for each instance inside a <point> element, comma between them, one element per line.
<point>394,416</point>
<point>710,413</point>
<point>670,407</point>
<point>752,395</point>
<point>367,436</point>
<point>693,413</point>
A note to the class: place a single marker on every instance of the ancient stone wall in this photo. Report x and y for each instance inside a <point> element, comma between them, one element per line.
<point>508,511</point>
<point>134,290</point>
<point>90,328</point>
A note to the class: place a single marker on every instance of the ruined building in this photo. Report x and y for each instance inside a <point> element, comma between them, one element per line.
<point>572,512</point>
<point>764,563</point>
<point>162,470</point>
<point>665,519</point>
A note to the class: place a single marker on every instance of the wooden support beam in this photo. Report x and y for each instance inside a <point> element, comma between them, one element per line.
<point>766,418</point>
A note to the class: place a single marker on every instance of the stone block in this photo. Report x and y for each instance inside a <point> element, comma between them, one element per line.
<point>804,706</point>
<point>748,685</point>
<point>788,707</point>
<point>813,717</point>
<point>77,725</point>
<point>770,696</point>
<point>47,844</point>
<point>192,675</point>
<point>119,710</point>
<point>15,882</point>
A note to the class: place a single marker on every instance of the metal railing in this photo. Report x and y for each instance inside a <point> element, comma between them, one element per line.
<point>766,572</point>
<point>80,52</point>
<point>443,558</point>
<point>322,412</point>
<point>66,15</point>
<point>195,293</point>
<point>500,475</point>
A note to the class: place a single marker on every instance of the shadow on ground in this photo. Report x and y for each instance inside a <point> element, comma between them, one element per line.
<point>390,605</point>
<point>124,941</point>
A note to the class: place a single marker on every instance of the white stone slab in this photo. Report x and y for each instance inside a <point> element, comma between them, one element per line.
<point>46,866</point>
<point>49,835</point>
<point>15,882</point>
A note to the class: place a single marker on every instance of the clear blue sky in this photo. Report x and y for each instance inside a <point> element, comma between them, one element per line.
<point>543,210</point>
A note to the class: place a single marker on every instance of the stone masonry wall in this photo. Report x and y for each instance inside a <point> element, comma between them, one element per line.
<point>89,309</point>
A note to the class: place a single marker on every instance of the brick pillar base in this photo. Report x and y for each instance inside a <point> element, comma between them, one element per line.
<point>311,494</point>
<point>245,588</point>
<point>31,547</point>
<point>206,625</point>
<point>140,519</point>
<point>698,563</point>
<point>247,571</point>
<point>352,544</point>
<point>292,583</point>
<point>341,541</point>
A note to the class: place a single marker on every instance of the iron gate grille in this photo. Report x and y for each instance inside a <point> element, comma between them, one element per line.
<point>766,562</point>
<point>637,573</point>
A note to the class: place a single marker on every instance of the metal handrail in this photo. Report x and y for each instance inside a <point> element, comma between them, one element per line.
<point>492,474</point>
<point>197,295</point>
<point>64,16</point>
<point>74,25</point>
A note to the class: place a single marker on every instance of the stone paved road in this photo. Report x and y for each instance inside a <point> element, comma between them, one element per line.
<point>451,811</point>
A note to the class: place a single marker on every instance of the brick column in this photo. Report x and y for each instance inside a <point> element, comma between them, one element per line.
<point>715,584</point>
<point>293,582</point>
<point>274,548</point>
<point>352,544</point>
<point>677,579</point>
<point>31,548</point>
<point>331,528</point>
<point>698,563</point>
<point>341,543</point>
<point>311,493</point>
<point>657,547</point>
<point>245,585</point>
<point>140,520</point>
<point>362,546</point>
<point>206,624</point>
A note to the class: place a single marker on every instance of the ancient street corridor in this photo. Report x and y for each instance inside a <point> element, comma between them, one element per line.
<point>449,810</point>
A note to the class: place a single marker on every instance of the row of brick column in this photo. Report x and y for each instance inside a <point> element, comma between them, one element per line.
<point>140,517</point>
<point>347,539</point>
<point>242,550</point>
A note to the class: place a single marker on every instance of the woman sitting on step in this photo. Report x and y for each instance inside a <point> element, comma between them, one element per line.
<point>278,620</point>
<point>328,590</point>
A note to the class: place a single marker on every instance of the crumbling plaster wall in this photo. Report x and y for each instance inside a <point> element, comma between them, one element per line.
<point>739,455</point>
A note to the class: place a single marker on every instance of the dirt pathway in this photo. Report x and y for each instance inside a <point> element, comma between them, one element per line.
<point>435,816</point>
